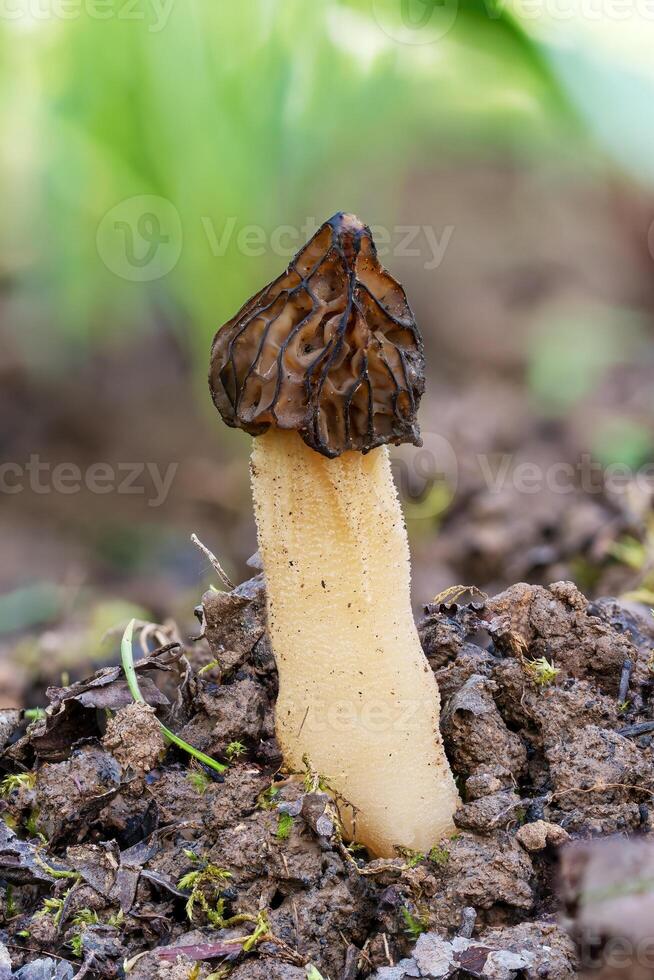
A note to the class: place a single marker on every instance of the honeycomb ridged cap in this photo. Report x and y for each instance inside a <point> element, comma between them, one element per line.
<point>330,349</point>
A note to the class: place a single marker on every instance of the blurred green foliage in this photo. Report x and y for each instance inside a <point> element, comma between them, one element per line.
<point>259,113</point>
<point>591,340</point>
<point>623,441</point>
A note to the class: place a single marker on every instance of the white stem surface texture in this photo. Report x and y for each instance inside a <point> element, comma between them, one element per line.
<point>357,696</point>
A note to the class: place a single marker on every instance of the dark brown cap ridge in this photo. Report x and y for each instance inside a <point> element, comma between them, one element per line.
<point>330,348</point>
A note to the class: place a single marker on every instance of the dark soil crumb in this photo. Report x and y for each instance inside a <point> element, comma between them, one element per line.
<point>477,735</point>
<point>120,853</point>
<point>69,794</point>
<point>134,737</point>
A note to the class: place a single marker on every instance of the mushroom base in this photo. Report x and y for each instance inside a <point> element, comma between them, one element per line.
<point>357,697</point>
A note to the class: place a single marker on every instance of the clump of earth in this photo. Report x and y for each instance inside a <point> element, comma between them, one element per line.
<point>121,855</point>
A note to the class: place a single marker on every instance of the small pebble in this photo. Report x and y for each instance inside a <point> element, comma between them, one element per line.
<point>538,835</point>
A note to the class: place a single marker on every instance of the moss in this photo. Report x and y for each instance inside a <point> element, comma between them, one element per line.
<point>413,926</point>
<point>541,671</point>
<point>439,855</point>
<point>284,826</point>
<point>207,878</point>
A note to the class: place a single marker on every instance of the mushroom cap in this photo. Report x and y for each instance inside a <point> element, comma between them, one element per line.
<point>330,348</point>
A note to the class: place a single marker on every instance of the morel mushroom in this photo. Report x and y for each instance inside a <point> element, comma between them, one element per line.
<point>325,366</point>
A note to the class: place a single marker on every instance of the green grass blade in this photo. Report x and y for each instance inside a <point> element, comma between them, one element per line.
<point>127,661</point>
<point>200,756</point>
<point>33,714</point>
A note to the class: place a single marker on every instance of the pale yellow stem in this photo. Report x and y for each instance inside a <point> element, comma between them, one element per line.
<point>357,695</point>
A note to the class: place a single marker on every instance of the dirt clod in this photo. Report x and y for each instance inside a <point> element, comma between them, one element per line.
<point>475,734</point>
<point>116,837</point>
<point>493,812</point>
<point>540,834</point>
<point>599,778</point>
<point>134,737</point>
<point>70,793</point>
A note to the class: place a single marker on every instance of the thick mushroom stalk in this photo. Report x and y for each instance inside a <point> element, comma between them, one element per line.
<point>325,365</point>
<point>356,693</point>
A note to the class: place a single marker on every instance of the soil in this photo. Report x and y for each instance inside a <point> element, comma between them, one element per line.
<point>120,855</point>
